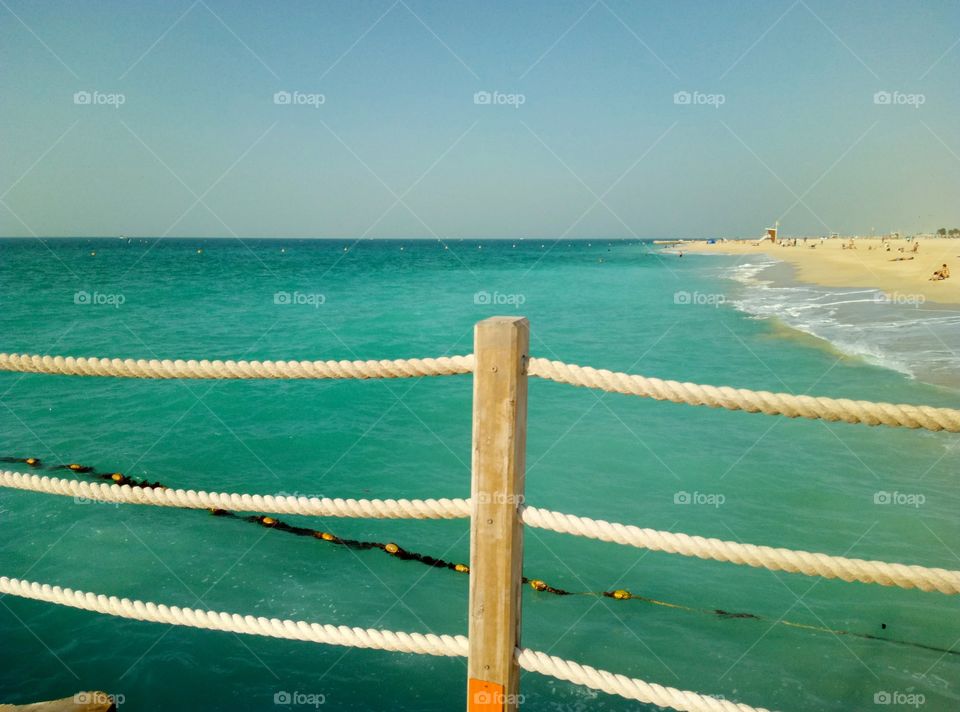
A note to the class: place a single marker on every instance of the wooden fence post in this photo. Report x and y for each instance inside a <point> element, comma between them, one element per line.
<point>501,348</point>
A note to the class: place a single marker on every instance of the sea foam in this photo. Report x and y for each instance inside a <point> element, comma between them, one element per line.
<point>916,338</point>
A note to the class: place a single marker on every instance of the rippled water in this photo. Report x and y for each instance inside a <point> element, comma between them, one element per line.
<point>903,332</point>
<point>799,484</point>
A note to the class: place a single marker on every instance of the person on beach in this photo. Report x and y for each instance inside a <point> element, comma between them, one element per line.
<point>942,273</point>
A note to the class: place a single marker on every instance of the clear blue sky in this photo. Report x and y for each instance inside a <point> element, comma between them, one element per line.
<point>399,148</point>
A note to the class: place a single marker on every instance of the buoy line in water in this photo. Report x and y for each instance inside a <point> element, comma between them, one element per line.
<point>399,552</point>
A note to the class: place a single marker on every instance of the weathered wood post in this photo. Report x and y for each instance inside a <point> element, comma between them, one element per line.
<point>501,348</point>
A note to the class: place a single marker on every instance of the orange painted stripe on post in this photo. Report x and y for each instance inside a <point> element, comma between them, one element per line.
<point>483,696</point>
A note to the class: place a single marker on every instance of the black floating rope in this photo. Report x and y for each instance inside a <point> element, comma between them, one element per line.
<point>400,553</point>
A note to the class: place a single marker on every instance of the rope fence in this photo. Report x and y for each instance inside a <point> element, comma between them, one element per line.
<point>501,367</point>
<point>426,644</point>
<point>204,369</point>
<point>786,404</point>
<point>772,558</point>
<point>399,552</point>
<point>394,641</point>
<point>766,557</point>
<point>628,687</point>
<point>791,406</point>
<point>275,504</point>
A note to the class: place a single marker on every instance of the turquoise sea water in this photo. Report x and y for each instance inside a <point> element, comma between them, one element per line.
<point>775,481</point>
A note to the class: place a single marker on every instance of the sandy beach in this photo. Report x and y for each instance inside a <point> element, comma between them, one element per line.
<point>832,263</point>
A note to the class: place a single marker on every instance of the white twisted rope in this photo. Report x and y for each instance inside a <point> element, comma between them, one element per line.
<point>275,504</point>
<point>425,644</point>
<point>428,644</point>
<point>766,557</point>
<point>629,687</point>
<point>849,411</point>
<point>153,368</point>
<point>831,409</point>
<point>775,559</point>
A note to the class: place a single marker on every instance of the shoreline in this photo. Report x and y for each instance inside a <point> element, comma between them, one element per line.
<point>828,263</point>
<point>901,332</point>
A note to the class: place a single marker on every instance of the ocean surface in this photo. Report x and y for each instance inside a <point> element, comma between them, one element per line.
<point>900,331</point>
<point>874,493</point>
